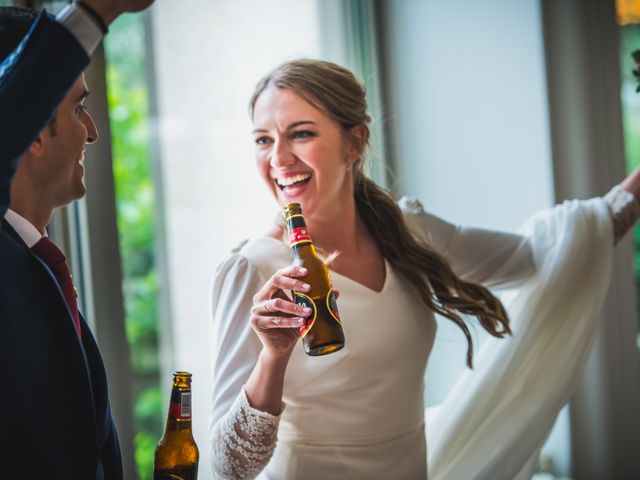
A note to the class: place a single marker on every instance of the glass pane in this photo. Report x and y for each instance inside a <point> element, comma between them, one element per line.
<point>206,67</point>
<point>629,20</point>
<point>127,92</point>
<point>205,179</point>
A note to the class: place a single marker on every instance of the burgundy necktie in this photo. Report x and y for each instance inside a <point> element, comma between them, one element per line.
<point>50,254</point>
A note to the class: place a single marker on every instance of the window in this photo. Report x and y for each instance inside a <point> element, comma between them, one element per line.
<point>629,21</point>
<point>128,101</point>
<point>179,81</point>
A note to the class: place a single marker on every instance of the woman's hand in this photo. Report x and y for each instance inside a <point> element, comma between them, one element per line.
<point>632,183</point>
<point>276,319</point>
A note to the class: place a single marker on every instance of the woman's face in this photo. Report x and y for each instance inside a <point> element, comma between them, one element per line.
<point>302,154</point>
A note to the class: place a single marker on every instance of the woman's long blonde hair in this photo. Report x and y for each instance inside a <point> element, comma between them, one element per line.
<point>336,91</point>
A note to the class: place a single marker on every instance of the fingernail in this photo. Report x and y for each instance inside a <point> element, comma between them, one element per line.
<point>302,270</point>
<point>306,310</point>
<point>306,286</point>
<point>300,321</point>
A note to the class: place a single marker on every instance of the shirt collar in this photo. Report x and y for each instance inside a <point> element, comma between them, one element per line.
<point>28,233</point>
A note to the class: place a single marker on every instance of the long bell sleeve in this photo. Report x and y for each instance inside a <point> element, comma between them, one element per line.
<point>489,257</point>
<point>242,438</point>
<point>495,419</point>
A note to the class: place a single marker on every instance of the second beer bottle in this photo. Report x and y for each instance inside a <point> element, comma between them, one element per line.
<point>322,332</point>
<point>177,454</point>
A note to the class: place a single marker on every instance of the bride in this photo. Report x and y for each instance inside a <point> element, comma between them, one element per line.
<point>359,413</point>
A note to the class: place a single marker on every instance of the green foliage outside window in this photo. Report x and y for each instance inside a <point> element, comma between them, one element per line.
<point>129,120</point>
<point>630,41</point>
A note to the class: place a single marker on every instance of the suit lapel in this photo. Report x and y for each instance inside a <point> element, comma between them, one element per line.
<point>87,346</point>
<point>10,231</point>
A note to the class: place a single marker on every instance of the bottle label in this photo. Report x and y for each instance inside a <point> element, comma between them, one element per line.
<point>332,306</point>
<point>299,235</point>
<point>180,406</point>
<point>302,299</point>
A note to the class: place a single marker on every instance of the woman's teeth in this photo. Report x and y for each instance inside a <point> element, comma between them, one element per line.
<point>288,181</point>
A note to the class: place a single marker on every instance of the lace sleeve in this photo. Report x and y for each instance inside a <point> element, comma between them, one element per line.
<point>624,211</point>
<point>243,441</point>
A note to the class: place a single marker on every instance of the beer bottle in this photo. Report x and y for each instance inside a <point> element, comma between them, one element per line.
<point>177,454</point>
<point>322,332</point>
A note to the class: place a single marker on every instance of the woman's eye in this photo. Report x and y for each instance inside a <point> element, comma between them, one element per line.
<point>262,140</point>
<point>303,134</point>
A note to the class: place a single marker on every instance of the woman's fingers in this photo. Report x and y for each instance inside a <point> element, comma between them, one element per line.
<point>284,282</point>
<point>269,308</point>
<point>287,278</point>
<point>292,271</point>
<point>267,323</point>
<point>283,279</point>
<point>274,317</point>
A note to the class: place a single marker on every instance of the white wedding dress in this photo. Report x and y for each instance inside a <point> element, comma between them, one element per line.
<point>359,413</point>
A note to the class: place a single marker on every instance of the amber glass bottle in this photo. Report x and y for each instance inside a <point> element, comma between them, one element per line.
<point>177,453</point>
<point>322,332</point>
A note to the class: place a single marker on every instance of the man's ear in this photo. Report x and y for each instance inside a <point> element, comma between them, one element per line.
<point>38,146</point>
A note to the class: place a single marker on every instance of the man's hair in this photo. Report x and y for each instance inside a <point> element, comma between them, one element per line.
<point>14,25</point>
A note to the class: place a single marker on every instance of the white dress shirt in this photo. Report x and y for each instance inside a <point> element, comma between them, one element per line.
<point>29,234</point>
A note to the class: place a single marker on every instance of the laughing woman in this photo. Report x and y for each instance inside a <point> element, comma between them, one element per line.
<point>358,413</point>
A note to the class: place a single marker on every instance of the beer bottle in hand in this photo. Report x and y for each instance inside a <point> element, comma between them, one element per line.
<point>177,454</point>
<point>322,332</point>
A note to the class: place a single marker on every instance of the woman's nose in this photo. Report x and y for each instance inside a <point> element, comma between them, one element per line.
<point>281,156</point>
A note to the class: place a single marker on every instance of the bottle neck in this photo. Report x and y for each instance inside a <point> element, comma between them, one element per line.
<point>303,250</point>
<point>179,417</point>
<point>174,425</point>
<point>299,238</point>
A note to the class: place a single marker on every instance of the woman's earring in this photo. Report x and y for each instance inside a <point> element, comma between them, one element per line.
<point>349,167</point>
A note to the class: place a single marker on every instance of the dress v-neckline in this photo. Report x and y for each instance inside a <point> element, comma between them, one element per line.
<point>387,273</point>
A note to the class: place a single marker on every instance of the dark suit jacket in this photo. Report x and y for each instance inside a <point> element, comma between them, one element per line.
<point>57,422</point>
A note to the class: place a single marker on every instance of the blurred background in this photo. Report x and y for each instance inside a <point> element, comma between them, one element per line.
<point>486,111</point>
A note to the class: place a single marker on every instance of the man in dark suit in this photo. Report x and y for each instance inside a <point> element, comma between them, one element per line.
<point>57,420</point>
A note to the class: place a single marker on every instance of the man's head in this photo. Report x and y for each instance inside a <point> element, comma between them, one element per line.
<point>51,170</point>
<point>50,174</point>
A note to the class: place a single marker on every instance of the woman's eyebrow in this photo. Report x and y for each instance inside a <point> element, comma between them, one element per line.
<point>293,125</point>
<point>301,122</point>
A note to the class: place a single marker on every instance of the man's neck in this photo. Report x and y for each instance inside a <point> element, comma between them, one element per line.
<point>38,216</point>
